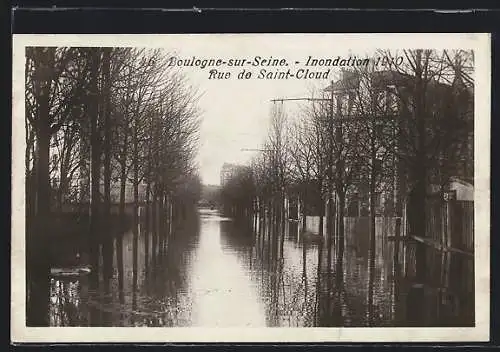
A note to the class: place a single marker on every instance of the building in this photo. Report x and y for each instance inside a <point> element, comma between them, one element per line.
<point>228,171</point>
<point>449,131</point>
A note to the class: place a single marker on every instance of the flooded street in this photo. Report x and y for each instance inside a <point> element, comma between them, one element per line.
<point>217,272</point>
<point>193,185</point>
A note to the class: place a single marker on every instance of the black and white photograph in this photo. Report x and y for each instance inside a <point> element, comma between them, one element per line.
<point>248,182</point>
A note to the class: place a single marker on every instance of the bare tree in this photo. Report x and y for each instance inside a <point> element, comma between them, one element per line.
<point>53,86</point>
<point>373,114</point>
<point>304,160</point>
<point>93,111</point>
<point>277,147</point>
<point>430,122</point>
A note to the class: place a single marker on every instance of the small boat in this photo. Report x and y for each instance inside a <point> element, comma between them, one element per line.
<point>311,237</point>
<point>70,271</point>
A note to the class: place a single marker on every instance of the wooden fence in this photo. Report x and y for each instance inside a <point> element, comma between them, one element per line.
<point>450,224</point>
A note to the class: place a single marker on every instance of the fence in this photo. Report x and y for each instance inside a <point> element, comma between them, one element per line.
<point>450,224</point>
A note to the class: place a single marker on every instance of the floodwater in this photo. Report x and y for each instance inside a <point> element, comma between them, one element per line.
<point>218,272</point>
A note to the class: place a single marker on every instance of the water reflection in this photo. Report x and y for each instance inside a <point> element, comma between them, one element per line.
<point>214,271</point>
<point>223,293</point>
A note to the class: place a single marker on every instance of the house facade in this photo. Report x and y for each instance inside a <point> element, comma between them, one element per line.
<point>384,100</point>
<point>228,171</point>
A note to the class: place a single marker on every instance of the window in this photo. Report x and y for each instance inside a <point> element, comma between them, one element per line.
<point>378,200</point>
<point>350,104</point>
<point>392,102</point>
<point>344,104</point>
<point>410,104</point>
<point>381,101</point>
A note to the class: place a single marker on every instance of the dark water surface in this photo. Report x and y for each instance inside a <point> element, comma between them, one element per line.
<point>215,271</point>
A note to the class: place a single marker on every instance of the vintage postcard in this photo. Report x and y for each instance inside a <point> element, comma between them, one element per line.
<point>251,188</point>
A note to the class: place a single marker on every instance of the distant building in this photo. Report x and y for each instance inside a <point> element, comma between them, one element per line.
<point>129,192</point>
<point>228,171</point>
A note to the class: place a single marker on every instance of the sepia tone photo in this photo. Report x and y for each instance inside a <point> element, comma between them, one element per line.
<point>199,182</point>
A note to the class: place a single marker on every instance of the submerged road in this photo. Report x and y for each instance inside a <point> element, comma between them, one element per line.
<point>217,272</point>
<point>223,291</point>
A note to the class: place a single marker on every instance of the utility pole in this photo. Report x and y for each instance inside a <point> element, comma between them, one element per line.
<point>330,99</point>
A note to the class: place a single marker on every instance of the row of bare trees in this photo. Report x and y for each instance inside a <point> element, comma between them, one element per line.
<point>391,131</point>
<point>99,120</point>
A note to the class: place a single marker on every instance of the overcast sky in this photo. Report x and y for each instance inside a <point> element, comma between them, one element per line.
<point>236,113</point>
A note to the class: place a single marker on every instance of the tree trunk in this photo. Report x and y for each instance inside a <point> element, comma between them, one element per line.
<point>321,218</point>
<point>161,218</point>
<point>38,268</point>
<point>84,175</point>
<point>372,186</point>
<point>135,217</point>
<point>69,138</point>
<point>169,216</point>
<point>304,211</point>
<point>372,214</point>
<point>146,226</point>
<point>135,223</point>
<point>119,261</point>
<point>107,247</point>
<point>123,182</point>
<point>154,223</point>
<point>330,221</point>
<point>371,281</point>
<point>123,185</point>
<point>421,170</point>
<point>417,227</point>
<point>321,209</point>
<point>340,218</point>
<point>95,140</point>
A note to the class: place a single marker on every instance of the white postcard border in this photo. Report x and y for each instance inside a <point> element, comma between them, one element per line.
<point>480,42</point>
